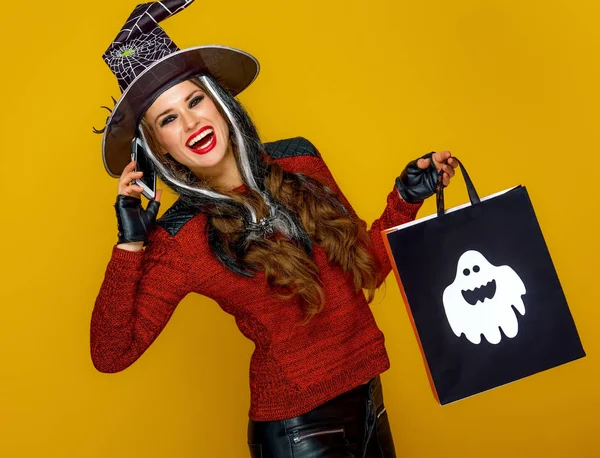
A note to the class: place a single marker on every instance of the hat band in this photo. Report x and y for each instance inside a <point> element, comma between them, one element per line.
<point>154,95</point>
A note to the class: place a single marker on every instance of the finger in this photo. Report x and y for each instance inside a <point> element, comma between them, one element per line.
<point>423,163</point>
<point>132,190</point>
<point>128,178</point>
<point>128,168</point>
<point>446,179</point>
<point>453,162</point>
<point>158,195</point>
<point>448,170</point>
<point>441,156</point>
<point>152,208</point>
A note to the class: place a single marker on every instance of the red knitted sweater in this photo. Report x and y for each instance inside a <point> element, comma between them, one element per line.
<point>293,368</point>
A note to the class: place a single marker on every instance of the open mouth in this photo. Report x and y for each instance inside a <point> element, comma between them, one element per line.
<point>202,141</point>
<point>480,294</point>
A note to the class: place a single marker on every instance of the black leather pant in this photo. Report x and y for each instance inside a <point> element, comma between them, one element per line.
<point>352,425</point>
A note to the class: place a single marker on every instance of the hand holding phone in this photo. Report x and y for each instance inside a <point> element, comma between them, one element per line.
<point>142,164</point>
<point>134,222</point>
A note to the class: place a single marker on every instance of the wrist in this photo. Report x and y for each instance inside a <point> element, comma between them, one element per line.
<point>406,193</point>
<point>131,246</point>
<point>413,202</point>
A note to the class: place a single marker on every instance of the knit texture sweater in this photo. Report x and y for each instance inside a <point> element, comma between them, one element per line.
<point>294,368</point>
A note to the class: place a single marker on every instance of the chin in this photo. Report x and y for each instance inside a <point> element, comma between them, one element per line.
<point>211,159</point>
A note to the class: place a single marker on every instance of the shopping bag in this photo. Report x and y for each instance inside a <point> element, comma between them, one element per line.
<point>482,293</point>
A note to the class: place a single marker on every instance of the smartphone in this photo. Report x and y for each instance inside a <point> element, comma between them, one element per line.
<point>143,164</point>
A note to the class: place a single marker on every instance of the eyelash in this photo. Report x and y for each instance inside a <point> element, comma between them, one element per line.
<point>199,99</point>
<point>166,120</point>
<point>195,101</point>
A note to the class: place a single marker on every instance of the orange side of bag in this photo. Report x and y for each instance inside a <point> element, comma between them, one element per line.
<point>408,309</point>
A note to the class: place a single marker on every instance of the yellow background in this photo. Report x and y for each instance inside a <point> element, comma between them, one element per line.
<point>509,86</point>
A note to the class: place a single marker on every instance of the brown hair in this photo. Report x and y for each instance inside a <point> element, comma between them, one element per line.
<point>288,269</point>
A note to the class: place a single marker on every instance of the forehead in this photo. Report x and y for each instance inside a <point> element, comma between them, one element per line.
<point>173,96</point>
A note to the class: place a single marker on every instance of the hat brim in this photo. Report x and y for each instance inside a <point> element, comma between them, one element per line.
<point>232,68</point>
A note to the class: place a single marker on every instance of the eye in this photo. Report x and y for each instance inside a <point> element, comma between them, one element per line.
<point>196,100</point>
<point>466,272</point>
<point>167,119</point>
<point>476,269</point>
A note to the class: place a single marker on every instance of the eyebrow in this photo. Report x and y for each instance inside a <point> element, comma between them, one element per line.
<point>170,109</point>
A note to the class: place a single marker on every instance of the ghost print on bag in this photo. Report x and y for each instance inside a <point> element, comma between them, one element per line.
<point>483,299</point>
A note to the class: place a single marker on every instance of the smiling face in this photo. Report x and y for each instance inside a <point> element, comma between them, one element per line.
<point>185,123</point>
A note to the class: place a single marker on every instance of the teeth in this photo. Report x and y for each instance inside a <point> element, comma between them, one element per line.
<point>199,137</point>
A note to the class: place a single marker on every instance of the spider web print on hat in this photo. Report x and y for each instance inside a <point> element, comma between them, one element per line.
<point>141,41</point>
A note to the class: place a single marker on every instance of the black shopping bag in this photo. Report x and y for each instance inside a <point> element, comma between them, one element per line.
<point>482,293</point>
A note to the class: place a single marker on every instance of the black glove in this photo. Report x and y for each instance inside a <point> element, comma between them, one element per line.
<point>416,184</point>
<point>135,223</point>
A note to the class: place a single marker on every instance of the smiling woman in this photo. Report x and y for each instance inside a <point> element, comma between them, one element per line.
<point>264,230</point>
<point>186,124</point>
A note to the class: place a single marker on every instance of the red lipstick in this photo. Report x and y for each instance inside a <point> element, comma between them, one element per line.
<point>211,138</point>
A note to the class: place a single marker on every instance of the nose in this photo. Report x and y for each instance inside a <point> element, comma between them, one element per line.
<point>188,119</point>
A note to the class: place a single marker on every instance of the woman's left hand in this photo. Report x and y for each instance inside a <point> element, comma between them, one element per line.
<point>418,180</point>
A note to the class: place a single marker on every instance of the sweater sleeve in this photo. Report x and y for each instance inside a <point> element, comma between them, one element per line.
<point>396,212</point>
<point>138,295</point>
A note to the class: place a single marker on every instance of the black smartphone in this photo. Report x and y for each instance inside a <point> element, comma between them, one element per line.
<point>143,164</point>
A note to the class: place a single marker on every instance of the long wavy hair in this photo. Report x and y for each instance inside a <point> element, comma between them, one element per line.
<point>301,210</point>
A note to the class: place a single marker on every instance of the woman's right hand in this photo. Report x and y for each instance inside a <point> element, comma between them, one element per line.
<point>133,221</point>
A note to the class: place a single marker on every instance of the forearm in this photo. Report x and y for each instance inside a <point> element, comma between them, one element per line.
<point>112,326</point>
<point>134,304</point>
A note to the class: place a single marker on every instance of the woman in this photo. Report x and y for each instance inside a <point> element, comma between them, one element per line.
<point>262,229</point>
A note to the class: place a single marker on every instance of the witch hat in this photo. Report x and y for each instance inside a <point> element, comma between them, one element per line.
<point>146,62</point>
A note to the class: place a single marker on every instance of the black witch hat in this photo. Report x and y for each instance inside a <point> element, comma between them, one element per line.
<point>146,62</point>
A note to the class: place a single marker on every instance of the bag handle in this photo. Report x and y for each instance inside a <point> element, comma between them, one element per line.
<point>473,196</point>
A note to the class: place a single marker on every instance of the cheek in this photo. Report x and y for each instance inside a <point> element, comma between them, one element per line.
<point>225,128</point>
<point>219,120</point>
<point>167,139</point>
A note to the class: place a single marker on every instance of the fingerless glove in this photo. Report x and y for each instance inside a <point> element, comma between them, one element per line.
<point>416,184</point>
<point>135,223</point>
